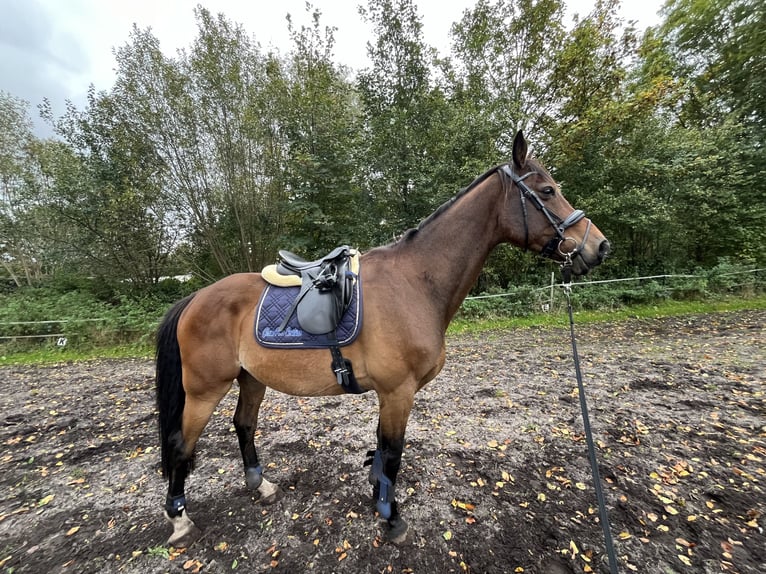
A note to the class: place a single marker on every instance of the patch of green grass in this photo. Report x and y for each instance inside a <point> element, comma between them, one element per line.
<point>53,355</point>
<point>667,308</point>
<point>158,551</point>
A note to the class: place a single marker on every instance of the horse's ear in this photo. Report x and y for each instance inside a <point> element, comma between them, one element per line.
<point>519,150</point>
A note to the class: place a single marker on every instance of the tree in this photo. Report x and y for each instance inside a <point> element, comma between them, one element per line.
<point>17,244</point>
<point>402,112</point>
<point>104,194</point>
<point>716,48</point>
<point>212,116</point>
<point>506,52</point>
<point>321,122</point>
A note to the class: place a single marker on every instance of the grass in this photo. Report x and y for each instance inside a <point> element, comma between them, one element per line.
<point>52,354</point>
<point>668,308</point>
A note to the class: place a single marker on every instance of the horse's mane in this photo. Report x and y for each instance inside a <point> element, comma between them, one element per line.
<point>411,233</point>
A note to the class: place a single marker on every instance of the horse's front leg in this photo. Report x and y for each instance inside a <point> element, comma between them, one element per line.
<point>394,413</point>
<point>251,393</point>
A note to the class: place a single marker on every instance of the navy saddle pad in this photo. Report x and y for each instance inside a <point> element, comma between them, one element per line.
<point>276,302</point>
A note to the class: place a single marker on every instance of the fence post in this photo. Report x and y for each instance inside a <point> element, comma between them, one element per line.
<point>553,283</point>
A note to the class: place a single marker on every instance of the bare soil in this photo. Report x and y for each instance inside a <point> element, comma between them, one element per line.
<point>495,477</point>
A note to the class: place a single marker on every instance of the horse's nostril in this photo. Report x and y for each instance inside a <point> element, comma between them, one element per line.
<point>603,250</point>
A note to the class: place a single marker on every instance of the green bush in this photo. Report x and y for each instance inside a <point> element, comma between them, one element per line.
<point>725,278</point>
<point>94,314</point>
<point>85,312</point>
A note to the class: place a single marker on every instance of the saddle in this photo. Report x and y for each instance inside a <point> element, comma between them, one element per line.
<point>326,289</point>
<point>326,286</point>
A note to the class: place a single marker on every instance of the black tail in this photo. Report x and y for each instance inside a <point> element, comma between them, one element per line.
<point>170,391</point>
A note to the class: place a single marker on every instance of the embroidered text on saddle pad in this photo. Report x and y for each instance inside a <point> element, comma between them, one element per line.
<point>276,302</point>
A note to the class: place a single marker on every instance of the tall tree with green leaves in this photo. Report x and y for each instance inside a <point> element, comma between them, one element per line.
<point>402,119</point>
<point>506,51</point>
<point>17,255</point>
<point>320,120</point>
<point>212,115</point>
<point>717,49</point>
<point>105,194</point>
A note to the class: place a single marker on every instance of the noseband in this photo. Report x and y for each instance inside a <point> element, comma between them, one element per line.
<point>559,225</point>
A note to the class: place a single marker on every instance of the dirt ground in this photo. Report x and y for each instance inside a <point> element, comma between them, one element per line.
<point>495,477</point>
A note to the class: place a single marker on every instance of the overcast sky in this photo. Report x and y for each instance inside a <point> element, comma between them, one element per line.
<point>57,48</point>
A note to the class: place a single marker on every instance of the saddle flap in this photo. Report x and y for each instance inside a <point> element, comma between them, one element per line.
<point>320,311</point>
<point>324,296</point>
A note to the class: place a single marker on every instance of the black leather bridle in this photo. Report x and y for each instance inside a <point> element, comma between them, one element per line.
<point>559,225</point>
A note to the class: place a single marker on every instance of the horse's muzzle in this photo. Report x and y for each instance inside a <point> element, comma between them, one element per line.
<point>603,250</point>
<point>586,260</point>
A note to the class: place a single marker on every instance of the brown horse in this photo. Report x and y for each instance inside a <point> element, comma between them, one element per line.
<point>411,290</point>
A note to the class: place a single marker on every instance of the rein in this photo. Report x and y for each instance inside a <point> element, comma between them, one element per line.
<point>566,272</point>
<point>555,244</point>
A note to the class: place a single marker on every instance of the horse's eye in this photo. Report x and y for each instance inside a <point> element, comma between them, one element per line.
<point>549,191</point>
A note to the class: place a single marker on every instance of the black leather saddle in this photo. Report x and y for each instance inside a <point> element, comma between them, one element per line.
<point>292,264</point>
<point>326,288</point>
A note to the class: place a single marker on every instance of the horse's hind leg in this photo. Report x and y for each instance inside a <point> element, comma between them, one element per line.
<point>251,393</point>
<point>197,411</point>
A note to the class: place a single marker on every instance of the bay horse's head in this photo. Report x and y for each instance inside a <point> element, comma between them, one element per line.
<point>553,227</point>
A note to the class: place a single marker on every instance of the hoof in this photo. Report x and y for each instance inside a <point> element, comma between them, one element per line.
<point>185,532</point>
<point>396,531</point>
<point>270,492</point>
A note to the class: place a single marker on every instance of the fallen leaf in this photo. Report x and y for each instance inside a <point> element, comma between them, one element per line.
<point>573,548</point>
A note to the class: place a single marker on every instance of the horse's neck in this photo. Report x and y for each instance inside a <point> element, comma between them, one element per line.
<point>449,251</point>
